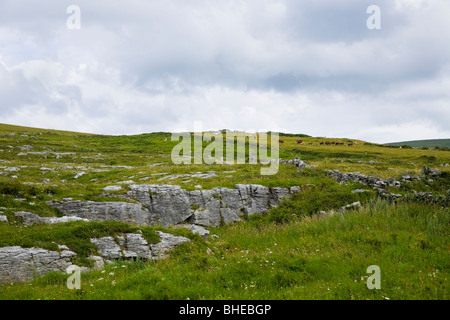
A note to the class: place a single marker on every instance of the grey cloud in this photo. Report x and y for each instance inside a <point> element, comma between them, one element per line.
<point>153,64</point>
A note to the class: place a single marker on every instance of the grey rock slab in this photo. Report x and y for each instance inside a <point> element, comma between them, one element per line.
<point>103,211</point>
<point>195,229</point>
<point>19,264</point>
<point>112,188</point>
<point>30,218</point>
<point>107,247</point>
<point>168,241</point>
<point>166,204</point>
<point>135,246</point>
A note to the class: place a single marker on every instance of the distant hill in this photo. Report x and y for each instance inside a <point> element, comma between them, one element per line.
<point>423,143</point>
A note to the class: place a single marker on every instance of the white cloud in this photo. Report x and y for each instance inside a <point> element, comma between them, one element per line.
<point>160,66</point>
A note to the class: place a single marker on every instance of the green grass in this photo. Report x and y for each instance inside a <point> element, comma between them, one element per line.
<point>308,258</point>
<point>288,253</point>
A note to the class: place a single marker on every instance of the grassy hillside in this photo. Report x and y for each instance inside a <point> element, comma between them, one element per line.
<point>289,253</point>
<point>442,143</point>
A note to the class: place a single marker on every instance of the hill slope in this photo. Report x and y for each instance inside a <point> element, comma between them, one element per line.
<point>293,251</point>
<point>423,143</point>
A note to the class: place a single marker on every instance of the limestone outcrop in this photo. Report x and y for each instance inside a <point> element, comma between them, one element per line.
<point>103,211</point>
<point>133,246</point>
<point>171,205</point>
<point>30,218</point>
<point>19,264</point>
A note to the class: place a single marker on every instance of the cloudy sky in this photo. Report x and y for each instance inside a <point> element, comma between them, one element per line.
<point>294,66</point>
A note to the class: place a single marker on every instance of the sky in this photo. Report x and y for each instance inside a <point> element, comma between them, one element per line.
<point>312,67</point>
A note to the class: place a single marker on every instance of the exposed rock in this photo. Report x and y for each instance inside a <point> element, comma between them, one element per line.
<point>3,219</point>
<point>112,188</point>
<point>32,218</point>
<point>296,162</point>
<point>351,206</point>
<point>133,245</point>
<point>62,154</point>
<point>359,191</point>
<point>196,175</point>
<point>99,263</point>
<point>107,247</point>
<point>428,172</point>
<point>125,182</point>
<point>104,211</point>
<point>25,147</point>
<point>167,243</point>
<point>11,169</point>
<point>375,182</point>
<point>195,229</point>
<point>19,264</point>
<point>79,174</point>
<point>166,204</point>
<point>171,205</point>
<point>342,210</point>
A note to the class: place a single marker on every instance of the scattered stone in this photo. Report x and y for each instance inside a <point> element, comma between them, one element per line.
<point>37,153</point>
<point>125,182</point>
<point>196,175</point>
<point>104,211</point>
<point>296,161</point>
<point>359,191</point>
<point>428,172</point>
<point>112,188</point>
<point>63,247</point>
<point>3,219</point>
<point>351,206</point>
<point>26,147</point>
<point>79,174</point>
<point>11,169</point>
<point>62,154</point>
<point>341,210</point>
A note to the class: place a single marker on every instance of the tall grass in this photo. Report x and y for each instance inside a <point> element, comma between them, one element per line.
<point>307,258</point>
